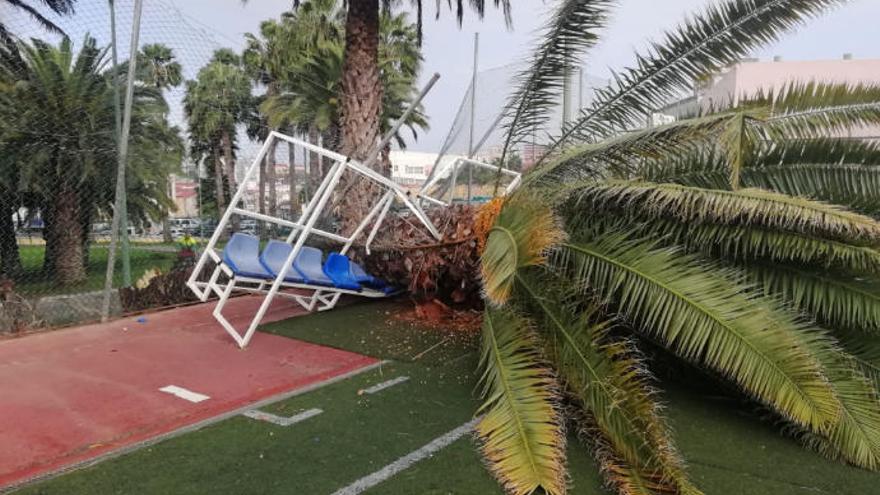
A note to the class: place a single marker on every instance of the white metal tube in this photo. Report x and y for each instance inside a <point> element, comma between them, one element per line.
<point>378,223</point>
<point>312,218</point>
<point>221,226</point>
<point>388,196</point>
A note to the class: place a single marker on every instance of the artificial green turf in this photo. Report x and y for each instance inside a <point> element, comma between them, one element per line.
<point>729,450</point>
<point>33,283</point>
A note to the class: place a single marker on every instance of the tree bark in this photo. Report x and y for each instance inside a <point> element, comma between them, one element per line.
<point>229,159</point>
<point>166,220</point>
<point>272,179</point>
<point>291,182</point>
<point>361,85</point>
<point>361,103</point>
<point>315,165</point>
<point>67,234</point>
<point>261,196</point>
<point>10,260</point>
<point>218,184</point>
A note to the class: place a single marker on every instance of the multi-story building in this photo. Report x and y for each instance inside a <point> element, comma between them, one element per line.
<point>751,76</point>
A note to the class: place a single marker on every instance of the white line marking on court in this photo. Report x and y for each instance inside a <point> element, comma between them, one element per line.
<point>281,420</point>
<point>184,393</point>
<point>408,460</point>
<point>382,386</point>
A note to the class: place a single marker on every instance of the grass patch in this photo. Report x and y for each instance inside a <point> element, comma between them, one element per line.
<point>728,449</point>
<point>34,283</point>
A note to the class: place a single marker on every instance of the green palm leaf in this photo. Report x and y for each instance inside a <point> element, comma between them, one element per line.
<point>704,44</point>
<point>855,436</point>
<point>810,109</point>
<point>841,300</point>
<point>702,313</point>
<point>746,244</point>
<point>747,206</point>
<point>571,30</point>
<point>609,383</point>
<point>521,434</point>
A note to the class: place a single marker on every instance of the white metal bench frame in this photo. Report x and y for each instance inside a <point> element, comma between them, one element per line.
<point>322,298</point>
<point>458,164</point>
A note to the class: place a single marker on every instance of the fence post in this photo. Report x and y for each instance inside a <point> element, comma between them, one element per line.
<point>119,211</point>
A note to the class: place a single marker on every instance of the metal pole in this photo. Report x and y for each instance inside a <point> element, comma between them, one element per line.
<point>471,149</point>
<point>396,127</point>
<point>580,89</point>
<point>566,95</point>
<point>119,212</point>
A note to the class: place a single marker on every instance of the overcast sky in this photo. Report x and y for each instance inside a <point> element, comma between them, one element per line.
<point>195,27</point>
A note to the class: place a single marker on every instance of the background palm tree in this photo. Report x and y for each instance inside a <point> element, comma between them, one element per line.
<point>158,68</point>
<point>705,238</point>
<point>215,103</point>
<point>61,103</point>
<point>362,98</point>
<point>61,7</point>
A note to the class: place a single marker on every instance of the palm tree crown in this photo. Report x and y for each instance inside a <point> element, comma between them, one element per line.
<point>742,240</point>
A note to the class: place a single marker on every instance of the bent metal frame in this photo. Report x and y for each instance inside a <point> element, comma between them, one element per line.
<point>321,298</point>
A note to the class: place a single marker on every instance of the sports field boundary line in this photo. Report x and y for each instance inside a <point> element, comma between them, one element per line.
<point>186,429</point>
<point>403,463</point>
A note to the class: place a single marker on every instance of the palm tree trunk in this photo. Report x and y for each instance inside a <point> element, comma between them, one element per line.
<point>361,103</point>
<point>315,166</point>
<point>67,234</point>
<point>361,85</point>
<point>291,181</point>
<point>166,220</point>
<point>271,178</point>
<point>218,184</point>
<point>261,196</point>
<point>229,159</point>
<point>10,260</point>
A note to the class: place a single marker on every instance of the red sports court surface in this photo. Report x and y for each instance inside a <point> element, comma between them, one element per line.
<point>72,395</point>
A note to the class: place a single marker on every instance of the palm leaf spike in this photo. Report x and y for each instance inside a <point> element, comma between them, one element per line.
<point>608,382</point>
<point>521,435</point>
<point>703,314</point>
<point>524,231</point>
<point>720,36</point>
<point>570,31</point>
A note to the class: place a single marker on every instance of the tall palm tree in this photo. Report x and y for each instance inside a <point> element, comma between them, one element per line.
<point>362,97</point>
<point>713,237</point>
<point>158,68</point>
<point>216,102</point>
<point>313,89</point>
<point>61,103</point>
<point>60,7</point>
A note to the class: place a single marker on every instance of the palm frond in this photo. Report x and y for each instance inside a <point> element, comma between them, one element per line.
<point>572,29</point>
<point>865,351</point>
<point>855,436</point>
<point>522,437</point>
<point>854,186</point>
<point>814,109</point>
<point>523,232</point>
<point>720,35</point>
<point>609,382</point>
<point>842,301</point>
<point>621,156</point>
<point>747,244</point>
<point>702,313</point>
<point>744,206</point>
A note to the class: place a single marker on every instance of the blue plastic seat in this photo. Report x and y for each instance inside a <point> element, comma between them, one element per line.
<point>365,279</point>
<point>274,257</point>
<point>309,264</point>
<point>338,268</point>
<point>242,256</point>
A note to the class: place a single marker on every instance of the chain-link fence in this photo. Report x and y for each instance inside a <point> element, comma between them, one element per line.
<point>478,129</point>
<point>61,102</point>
